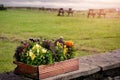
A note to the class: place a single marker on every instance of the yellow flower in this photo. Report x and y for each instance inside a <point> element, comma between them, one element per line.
<point>65,49</point>
<point>44,50</point>
<point>31,55</point>
<point>59,44</point>
<point>37,46</point>
<point>38,50</point>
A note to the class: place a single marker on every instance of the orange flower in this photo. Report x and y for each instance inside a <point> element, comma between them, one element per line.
<point>69,43</point>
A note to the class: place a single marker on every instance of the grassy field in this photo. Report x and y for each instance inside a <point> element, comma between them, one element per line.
<point>90,35</point>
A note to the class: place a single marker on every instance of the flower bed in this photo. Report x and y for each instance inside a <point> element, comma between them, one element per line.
<point>45,58</point>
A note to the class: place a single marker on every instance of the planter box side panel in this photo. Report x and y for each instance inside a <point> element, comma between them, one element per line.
<point>58,68</point>
<point>27,70</point>
<point>46,71</point>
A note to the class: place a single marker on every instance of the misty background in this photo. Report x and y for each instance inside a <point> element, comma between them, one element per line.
<point>75,4</point>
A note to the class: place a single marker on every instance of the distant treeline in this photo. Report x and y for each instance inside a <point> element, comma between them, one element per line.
<point>35,8</point>
<point>2,7</point>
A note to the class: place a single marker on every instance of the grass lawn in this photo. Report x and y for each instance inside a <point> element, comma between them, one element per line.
<point>90,35</point>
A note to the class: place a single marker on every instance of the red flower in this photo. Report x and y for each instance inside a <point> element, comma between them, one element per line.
<point>26,45</point>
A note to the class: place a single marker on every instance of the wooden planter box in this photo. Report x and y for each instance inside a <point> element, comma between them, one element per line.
<point>45,71</point>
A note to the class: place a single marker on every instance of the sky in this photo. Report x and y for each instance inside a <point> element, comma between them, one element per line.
<point>75,4</point>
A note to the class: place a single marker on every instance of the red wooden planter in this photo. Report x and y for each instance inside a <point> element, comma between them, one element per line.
<point>45,71</point>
